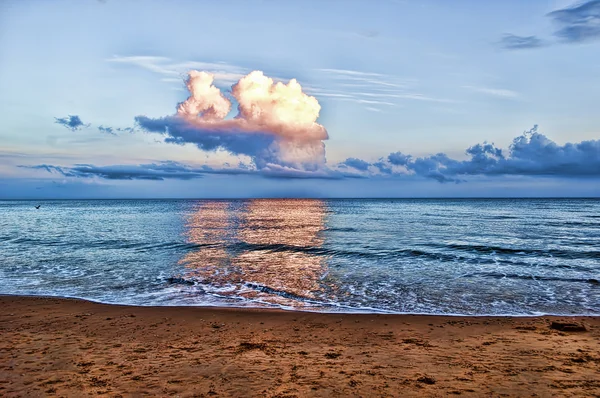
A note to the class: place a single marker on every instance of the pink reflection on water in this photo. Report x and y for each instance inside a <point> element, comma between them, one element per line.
<point>260,249</point>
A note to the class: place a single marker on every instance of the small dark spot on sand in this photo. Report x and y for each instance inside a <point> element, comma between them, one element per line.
<point>568,326</point>
<point>247,346</point>
<point>426,379</point>
<point>525,327</point>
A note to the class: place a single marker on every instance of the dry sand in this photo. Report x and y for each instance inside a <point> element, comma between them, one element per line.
<point>61,347</point>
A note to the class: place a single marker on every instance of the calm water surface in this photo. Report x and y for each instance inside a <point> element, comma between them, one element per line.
<point>478,257</point>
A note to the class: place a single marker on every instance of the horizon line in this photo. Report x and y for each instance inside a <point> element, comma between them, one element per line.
<point>316,198</point>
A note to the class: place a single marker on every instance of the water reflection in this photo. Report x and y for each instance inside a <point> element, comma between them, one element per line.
<point>259,250</point>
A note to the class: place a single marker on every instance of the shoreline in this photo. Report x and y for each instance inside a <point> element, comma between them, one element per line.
<point>357,311</point>
<point>65,346</point>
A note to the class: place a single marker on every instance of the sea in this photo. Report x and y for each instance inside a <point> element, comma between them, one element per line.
<point>514,257</point>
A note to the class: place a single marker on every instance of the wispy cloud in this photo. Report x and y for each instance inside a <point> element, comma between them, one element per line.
<point>348,72</point>
<point>175,72</point>
<point>408,96</point>
<point>370,88</point>
<point>374,102</point>
<point>514,42</point>
<point>496,92</point>
<point>370,78</point>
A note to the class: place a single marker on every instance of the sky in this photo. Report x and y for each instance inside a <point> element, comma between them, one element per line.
<point>268,98</point>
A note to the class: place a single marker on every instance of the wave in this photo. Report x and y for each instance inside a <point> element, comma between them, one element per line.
<point>496,275</point>
<point>568,254</point>
<point>109,244</point>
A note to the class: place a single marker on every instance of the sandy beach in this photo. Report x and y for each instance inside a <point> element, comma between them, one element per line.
<point>66,347</point>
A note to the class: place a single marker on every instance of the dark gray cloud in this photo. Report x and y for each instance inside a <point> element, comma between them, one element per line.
<point>357,164</point>
<point>174,170</point>
<point>153,171</point>
<point>72,122</point>
<point>115,130</point>
<point>383,166</point>
<point>107,130</point>
<point>398,159</point>
<point>514,42</point>
<point>578,23</point>
<point>531,154</point>
<point>125,129</point>
<point>178,131</point>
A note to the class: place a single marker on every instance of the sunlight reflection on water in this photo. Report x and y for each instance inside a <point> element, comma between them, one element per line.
<point>261,263</point>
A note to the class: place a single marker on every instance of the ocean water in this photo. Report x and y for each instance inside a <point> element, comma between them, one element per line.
<point>446,256</point>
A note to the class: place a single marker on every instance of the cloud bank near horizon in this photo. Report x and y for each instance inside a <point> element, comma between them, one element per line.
<point>170,170</point>
<point>531,154</point>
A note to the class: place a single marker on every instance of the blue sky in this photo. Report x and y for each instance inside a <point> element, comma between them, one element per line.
<point>417,78</point>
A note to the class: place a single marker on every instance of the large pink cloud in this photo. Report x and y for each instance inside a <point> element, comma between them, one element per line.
<point>276,123</point>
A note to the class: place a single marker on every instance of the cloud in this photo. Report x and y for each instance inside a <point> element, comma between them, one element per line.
<point>154,171</point>
<point>344,81</point>
<point>373,90</point>
<point>531,154</point>
<point>357,164</point>
<point>72,122</point>
<point>350,72</point>
<point>369,34</point>
<point>383,167</point>
<point>174,72</point>
<point>169,170</point>
<point>359,78</point>
<point>578,23</point>
<point>276,123</point>
<point>575,24</point>
<point>514,42</point>
<point>496,92</point>
<point>398,159</point>
<point>107,130</point>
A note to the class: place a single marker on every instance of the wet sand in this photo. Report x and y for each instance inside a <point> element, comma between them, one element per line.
<point>64,347</point>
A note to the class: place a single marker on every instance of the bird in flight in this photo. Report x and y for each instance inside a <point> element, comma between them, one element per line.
<point>37,207</point>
